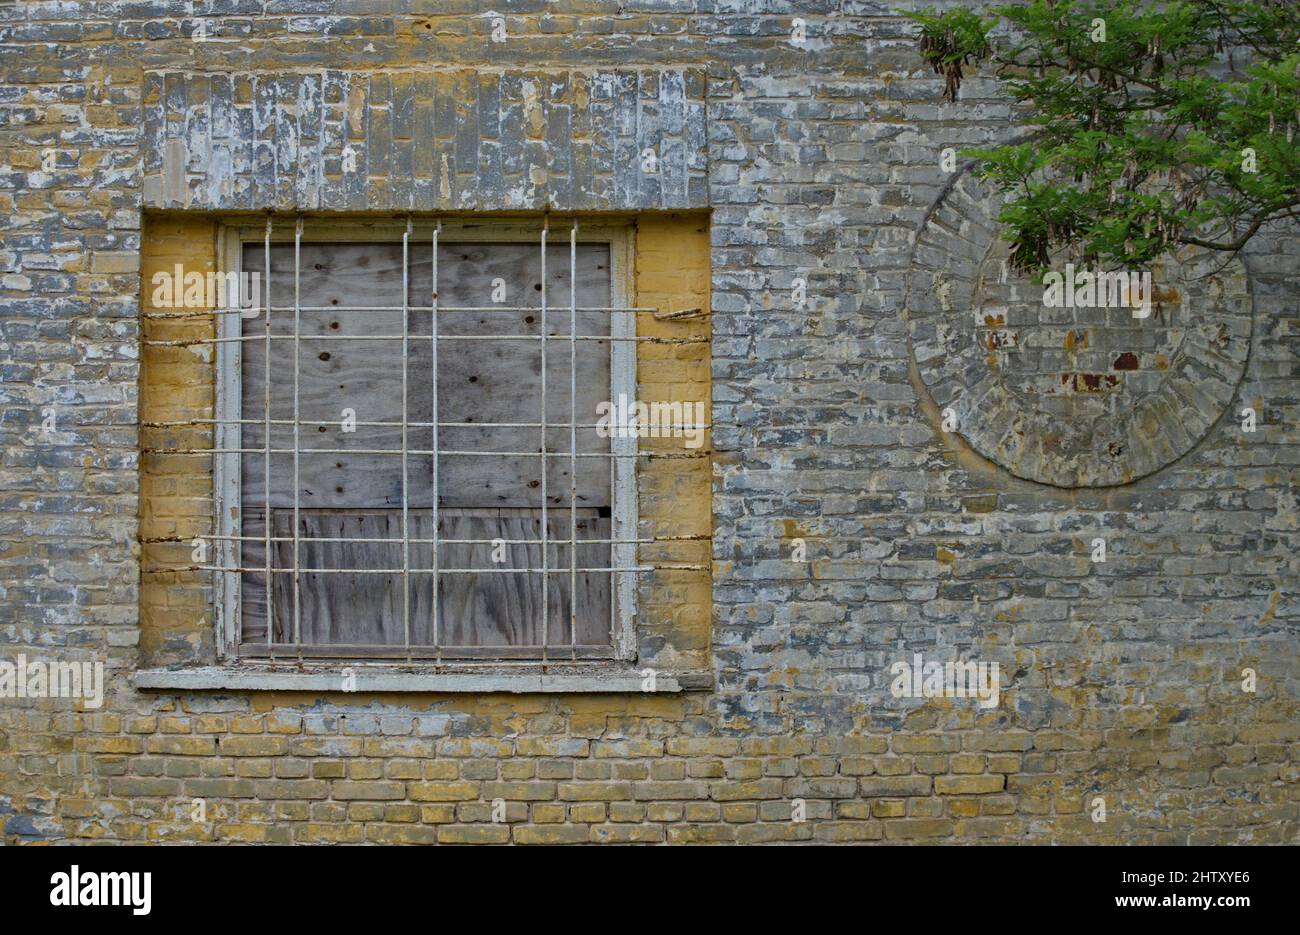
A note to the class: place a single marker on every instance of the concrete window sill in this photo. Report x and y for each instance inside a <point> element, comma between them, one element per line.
<point>374,678</point>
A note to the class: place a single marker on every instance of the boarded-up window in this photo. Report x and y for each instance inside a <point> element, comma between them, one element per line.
<point>353,515</point>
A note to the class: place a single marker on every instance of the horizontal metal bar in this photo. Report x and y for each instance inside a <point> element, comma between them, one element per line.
<point>421,451</point>
<point>635,569</point>
<point>200,342</point>
<point>157,540</point>
<point>526,654</point>
<point>191,423</point>
<point>442,309</point>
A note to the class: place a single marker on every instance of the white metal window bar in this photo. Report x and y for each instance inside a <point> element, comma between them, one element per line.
<point>624,452</point>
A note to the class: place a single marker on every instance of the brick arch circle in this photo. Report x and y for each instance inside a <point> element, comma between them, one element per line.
<point>1072,397</point>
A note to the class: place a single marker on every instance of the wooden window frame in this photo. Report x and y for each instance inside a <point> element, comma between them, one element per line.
<point>620,237</point>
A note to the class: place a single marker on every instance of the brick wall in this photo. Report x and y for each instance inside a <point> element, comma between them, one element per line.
<point>1121,681</point>
<point>177,384</point>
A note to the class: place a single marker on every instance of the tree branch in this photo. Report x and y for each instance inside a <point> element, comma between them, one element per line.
<point>1236,245</point>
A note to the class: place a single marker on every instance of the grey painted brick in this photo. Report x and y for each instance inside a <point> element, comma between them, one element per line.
<point>449,140</point>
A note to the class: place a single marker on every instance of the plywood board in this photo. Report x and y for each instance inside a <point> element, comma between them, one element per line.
<point>359,494</point>
<point>494,608</point>
<point>491,381</point>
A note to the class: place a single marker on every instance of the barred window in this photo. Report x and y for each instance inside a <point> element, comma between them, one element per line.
<point>410,463</point>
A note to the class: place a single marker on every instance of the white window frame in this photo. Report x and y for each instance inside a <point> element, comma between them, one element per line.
<point>620,238</point>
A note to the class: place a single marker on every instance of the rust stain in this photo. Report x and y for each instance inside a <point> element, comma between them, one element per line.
<point>1000,339</point>
<point>994,320</point>
<point>1126,361</point>
<point>1090,382</point>
<point>792,530</point>
<point>1272,607</point>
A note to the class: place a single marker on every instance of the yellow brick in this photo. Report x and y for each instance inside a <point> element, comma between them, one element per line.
<point>968,785</point>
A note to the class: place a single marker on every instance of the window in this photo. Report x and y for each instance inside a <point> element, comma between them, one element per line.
<point>387,363</point>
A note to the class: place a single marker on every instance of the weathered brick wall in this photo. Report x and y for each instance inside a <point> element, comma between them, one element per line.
<point>177,384</point>
<point>1121,680</point>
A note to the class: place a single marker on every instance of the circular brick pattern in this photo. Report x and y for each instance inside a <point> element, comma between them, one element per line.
<point>1075,397</point>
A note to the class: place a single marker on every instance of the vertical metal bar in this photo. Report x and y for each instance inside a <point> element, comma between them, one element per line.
<point>615,551</point>
<point>615,526</point>
<point>546,606</point>
<point>266,437</point>
<point>573,439</point>
<point>229,435</point>
<point>433,368</point>
<point>623,445</point>
<point>406,531</point>
<point>297,337</point>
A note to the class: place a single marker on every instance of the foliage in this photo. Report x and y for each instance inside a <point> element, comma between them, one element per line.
<point>1154,124</point>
